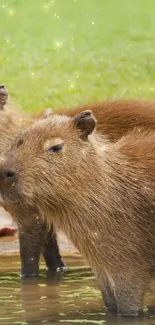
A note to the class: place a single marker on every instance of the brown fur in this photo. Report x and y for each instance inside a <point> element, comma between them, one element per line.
<point>101,194</point>
<point>115,118</point>
<point>12,122</point>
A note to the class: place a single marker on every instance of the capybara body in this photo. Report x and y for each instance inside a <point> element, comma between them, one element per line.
<point>115,118</point>
<point>100,193</point>
<point>33,237</point>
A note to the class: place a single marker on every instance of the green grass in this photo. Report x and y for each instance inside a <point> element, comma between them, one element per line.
<point>67,52</point>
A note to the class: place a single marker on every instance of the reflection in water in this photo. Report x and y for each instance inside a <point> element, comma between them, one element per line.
<point>72,298</point>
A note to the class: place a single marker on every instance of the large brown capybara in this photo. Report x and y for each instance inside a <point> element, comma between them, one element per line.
<point>13,121</point>
<point>101,194</point>
<point>115,118</point>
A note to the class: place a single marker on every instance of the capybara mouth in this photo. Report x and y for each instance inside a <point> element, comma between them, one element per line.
<point>10,196</point>
<point>9,199</point>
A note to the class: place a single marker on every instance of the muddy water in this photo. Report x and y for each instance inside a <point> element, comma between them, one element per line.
<point>73,298</point>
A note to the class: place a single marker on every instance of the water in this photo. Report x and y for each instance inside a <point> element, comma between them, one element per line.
<point>73,298</point>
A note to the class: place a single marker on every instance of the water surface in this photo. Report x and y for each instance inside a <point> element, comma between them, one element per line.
<point>73,298</point>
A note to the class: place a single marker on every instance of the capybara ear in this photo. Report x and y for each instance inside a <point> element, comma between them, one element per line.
<point>85,121</point>
<point>3,96</point>
<point>47,113</point>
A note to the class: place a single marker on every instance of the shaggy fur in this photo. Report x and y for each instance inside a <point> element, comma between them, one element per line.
<point>115,118</point>
<point>100,193</point>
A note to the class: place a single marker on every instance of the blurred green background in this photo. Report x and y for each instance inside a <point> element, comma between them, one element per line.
<point>67,52</point>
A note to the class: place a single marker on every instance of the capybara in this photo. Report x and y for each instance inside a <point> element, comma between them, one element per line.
<point>115,118</point>
<point>100,193</point>
<point>11,122</point>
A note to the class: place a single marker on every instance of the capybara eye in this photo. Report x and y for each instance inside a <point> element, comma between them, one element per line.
<point>56,148</point>
<point>20,141</point>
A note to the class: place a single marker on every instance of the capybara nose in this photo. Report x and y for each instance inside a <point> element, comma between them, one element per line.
<point>7,174</point>
<point>10,174</point>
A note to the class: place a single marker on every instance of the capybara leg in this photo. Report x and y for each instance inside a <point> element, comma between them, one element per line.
<point>109,299</point>
<point>51,253</point>
<point>107,293</point>
<point>129,293</point>
<point>30,240</point>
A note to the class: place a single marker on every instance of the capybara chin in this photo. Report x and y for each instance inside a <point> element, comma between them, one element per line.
<point>101,194</point>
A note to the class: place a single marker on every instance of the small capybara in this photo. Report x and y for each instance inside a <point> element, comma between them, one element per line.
<point>31,245</point>
<point>100,193</point>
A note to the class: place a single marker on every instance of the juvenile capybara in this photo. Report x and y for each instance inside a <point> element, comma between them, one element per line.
<point>13,121</point>
<point>100,193</point>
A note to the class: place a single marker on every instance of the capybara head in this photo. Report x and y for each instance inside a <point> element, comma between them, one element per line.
<point>46,157</point>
